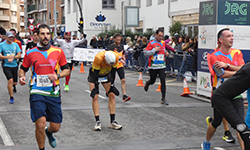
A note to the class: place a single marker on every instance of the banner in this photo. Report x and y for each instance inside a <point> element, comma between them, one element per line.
<point>85,54</point>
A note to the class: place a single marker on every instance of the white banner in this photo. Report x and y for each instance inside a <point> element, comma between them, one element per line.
<point>85,54</point>
<point>204,86</point>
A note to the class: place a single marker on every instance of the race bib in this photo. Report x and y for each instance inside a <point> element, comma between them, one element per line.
<point>43,81</point>
<point>68,60</point>
<point>103,79</point>
<point>160,57</point>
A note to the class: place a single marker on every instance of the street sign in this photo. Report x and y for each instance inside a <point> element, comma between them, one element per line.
<point>37,26</point>
<point>32,27</point>
<point>31,20</point>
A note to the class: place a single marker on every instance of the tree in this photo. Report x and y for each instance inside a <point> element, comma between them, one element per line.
<point>175,28</point>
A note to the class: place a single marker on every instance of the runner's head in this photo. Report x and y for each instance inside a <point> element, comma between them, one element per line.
<point>44,34</point>
<point>110,58</point>
<point>9,37</point>
<point>225,38</point>
<point>35,36</point>
<point>117,38</point>
<point>158,35</point>
<point>67,36</point>
<point>14,32</point>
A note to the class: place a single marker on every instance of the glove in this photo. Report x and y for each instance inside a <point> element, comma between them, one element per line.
<point>94,92</point>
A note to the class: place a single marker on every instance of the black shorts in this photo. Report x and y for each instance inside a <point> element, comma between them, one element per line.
<point>71,64</point>
<point>121,73</point>
<point>10,72</point>
<point>92,80</point>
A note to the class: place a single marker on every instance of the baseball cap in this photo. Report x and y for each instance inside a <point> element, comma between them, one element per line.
<point>9,34</point>
<point>68,33</point>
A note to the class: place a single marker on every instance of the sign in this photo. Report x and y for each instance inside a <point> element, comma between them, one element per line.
<point>31,20</point>
<point>131,16</point>
<point>100,21</point>
<point>204,85</point>
<point>234,12</point>
<point>207,13</point>
<point>85,54</point>
<point>32,27</point>
<point>37,26</point>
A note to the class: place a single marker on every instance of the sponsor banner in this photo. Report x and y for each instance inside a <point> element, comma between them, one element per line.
<point>202,60</point>
<point>204,86</point>
<point>85,54</point>
<point>207,36</point>
<point>208,13</point>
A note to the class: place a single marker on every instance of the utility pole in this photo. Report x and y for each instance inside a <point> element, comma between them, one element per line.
<point>25,16</point>
<point>81,19</point>
<point>55,33</point>
<point>122,9</point>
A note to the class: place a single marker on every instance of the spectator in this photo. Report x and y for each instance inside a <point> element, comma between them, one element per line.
<point>100,43</point>
<point>135,40</point>
<point>2,34</point>
<point>178,46</point>
<point>111,40</point>
<point>93,42</point>
<point>129,52</point>
<point>170,59</point>
<point>186,44</point>
<point>106,40</point>
<point>193,51</point>
<point>74,37</point>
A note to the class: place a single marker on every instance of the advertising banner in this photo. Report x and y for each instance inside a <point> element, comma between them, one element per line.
<point>204,83</point>
<point>85,54</point>
<point>207,36</point>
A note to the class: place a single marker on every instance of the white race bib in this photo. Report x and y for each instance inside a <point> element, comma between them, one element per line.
<point>43,81</point>
<point>68,60</point>
<point>103,79</point>
<point>160,57</point>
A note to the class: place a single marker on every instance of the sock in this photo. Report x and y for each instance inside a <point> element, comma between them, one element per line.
<point>207,141</point>
<point>97,118</point>
<point>11,97</point>
<point>67,80</point>
<point>41,149</point>
<point>225,133</point>
<point>112,117</point>
<point>14,86</point>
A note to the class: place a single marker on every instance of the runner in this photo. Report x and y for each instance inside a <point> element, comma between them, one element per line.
<point>45,97</point>
<point>10,52</point>
<point>33,43</point>
<point>68,46</point>
<point>119,49</point>
<point>223,62</point>
<point>156,65</point>
<point>103,70</point>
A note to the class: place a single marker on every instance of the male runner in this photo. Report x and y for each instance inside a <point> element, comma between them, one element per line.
<point>103,71</point>
<point>119,49</point>
<point>68,46</point>
<point>10,52</point>
<point>45,97</point>
<point>223,62</point>
<point>156,65</point>
<point>33,43</point>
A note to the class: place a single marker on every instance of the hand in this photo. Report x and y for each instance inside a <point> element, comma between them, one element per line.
<point>22,80</point>
<point>167,53</point>
<point>220,64</point>
<point>11,58</point>
<point>53,77</point>
<point>123,60</point>
<point>190,49</point>
<point>157,48</point>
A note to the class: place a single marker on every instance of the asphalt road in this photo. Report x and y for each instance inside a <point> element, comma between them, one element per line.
<point>147,125</point>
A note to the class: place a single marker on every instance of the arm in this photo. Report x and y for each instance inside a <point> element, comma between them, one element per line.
<point>185,46</point>
<point>18,55</point>
<point>59,41</point>
<point>170,48</point>
<point>21,73</point>
<point>77,42</point>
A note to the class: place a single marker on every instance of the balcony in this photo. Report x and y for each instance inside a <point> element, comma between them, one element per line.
<point>63,20</point>
<point>13,7</point>
<point>21,23</point>
<point>31,9</point>
<point>5,18</point>
<point>42,7</point>
<point>4,6</point>
<point>62,3</point>
<point>13,19</point>
<point>22,14</point>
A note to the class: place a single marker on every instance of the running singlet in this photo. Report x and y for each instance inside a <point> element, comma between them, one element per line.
<point>119,51</point>
<point>9,49</point>
<point>156,61</point>
<point>44,63</point>
<point>235,58</point>
<point>99,64</point>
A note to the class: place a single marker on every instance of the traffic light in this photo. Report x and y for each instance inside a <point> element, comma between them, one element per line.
<point>80,26</point>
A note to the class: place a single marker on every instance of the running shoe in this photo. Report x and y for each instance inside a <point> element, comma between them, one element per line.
<point>228,137</point>
<point>208,120</point>
<point>146,87</point>
<point>66,88</point>
<point>164,101</point>
<point>11,100</point>
<point>126,98</point>
<point>51,138</point>
<point>98,126</point>
<point>205,146</point>
<point>115,125</point>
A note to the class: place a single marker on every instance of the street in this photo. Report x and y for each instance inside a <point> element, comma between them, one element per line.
<point>147,124</point>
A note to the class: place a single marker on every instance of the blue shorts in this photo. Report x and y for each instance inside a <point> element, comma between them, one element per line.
<point>50,107</point>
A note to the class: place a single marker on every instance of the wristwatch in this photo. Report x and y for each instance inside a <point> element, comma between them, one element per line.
<point>58,75</point>
<point>228,65</point>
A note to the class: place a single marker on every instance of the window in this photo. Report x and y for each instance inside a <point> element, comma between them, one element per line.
<point>149,3</point>
<point>68,6</point>
<point>21,20</point>
<point>57,14</point>
<point>160,1</point>
<point>45,17</point>
<point>49,15</point>
<point>13,25</point>
<point>108,4</point>
<point>138,3</point>
<point>14,1</point>
<point>1,12</point>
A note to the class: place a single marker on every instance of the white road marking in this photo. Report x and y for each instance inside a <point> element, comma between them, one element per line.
<point>219,148</point>
<point>99,95</point>
<point>5,135</point>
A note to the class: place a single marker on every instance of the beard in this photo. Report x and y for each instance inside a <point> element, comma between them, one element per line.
<point>43,43</point>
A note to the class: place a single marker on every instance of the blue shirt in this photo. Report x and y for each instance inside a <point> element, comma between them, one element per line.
<point>9,49</point>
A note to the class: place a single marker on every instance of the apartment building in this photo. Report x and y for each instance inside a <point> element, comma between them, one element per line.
<point>22,29</point>
<point>10,14</point>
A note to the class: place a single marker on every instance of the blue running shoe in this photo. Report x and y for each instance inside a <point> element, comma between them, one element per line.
<point>205,146</point>
<point>11,100</point>
<point>52,140</point>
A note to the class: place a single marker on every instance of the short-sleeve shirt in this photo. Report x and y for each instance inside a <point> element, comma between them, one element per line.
<point>7,50</point>
<point>99,64</point>
<point>119,51</point>
<point>30,45</point>
<point>44,63</point>
<point>235,58</point>
<point>19,43</point>
<point>156,61</point>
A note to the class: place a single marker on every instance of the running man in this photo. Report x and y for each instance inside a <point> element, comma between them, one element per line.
<point>33,43</point>
<point>103,71</point>
<point>45,97</point>
<point>223,62</point>
<point>68,46</point>
<point>10,52</point>
<point>119,49</point>
<point>156,63</point>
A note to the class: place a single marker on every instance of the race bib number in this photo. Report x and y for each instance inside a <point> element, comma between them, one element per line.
<point>43,81</point>
<point>68,60</point>
<point>160,57</point>
<point>103,79</point>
